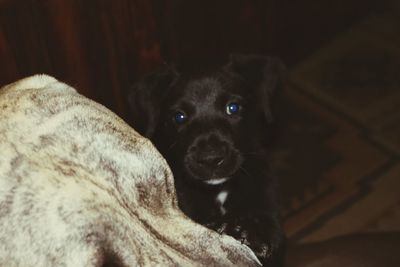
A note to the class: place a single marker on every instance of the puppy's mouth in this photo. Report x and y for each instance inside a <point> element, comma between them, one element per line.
<point>215,173</point>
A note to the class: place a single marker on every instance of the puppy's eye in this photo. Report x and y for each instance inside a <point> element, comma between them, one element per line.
<point>180,117</point>
<point>232,108</point>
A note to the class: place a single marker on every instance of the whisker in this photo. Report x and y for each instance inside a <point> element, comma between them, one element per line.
<point>245,171</point>
<point>257,154</point>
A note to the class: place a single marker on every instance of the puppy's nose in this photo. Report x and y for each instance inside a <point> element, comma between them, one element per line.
<point>210,159</point>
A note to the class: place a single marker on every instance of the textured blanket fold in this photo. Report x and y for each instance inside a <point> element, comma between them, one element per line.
<point>79,187</point>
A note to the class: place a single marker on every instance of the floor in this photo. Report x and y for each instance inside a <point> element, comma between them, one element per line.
<point>338,149</point>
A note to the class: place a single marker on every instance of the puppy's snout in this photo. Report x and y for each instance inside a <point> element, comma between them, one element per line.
<point>210,159</point>
<point>209,154</point>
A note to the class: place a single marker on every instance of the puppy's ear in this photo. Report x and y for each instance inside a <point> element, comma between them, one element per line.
<point>145,99</point>
<point>264,74</point>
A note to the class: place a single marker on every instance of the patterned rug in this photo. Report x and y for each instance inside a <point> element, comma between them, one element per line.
<point>338,149</point>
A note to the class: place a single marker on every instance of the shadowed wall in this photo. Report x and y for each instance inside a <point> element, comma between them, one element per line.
<point>102,46</point>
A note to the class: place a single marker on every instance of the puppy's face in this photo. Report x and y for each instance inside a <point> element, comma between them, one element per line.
<point>205,124</point>
<point>201,125</point>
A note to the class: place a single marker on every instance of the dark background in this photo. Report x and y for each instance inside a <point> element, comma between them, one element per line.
<point>102,46</point>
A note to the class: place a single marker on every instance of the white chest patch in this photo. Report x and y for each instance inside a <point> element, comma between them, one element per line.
<point>217,181</point>
<point>221,199</point>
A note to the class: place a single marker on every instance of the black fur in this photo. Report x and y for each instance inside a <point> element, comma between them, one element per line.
<point>213,144</point>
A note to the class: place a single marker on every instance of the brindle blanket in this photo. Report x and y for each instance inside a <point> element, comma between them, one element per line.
<point>79,187</point>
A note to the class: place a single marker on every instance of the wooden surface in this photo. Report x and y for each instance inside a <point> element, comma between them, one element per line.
<point>102,46</point>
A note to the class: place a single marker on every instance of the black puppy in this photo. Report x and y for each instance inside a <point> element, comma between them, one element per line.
<point>212,127</point>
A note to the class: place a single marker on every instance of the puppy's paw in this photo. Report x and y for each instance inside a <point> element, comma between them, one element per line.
<point>252,236</point>
<point>259,234</point>
<point>218,226</point>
